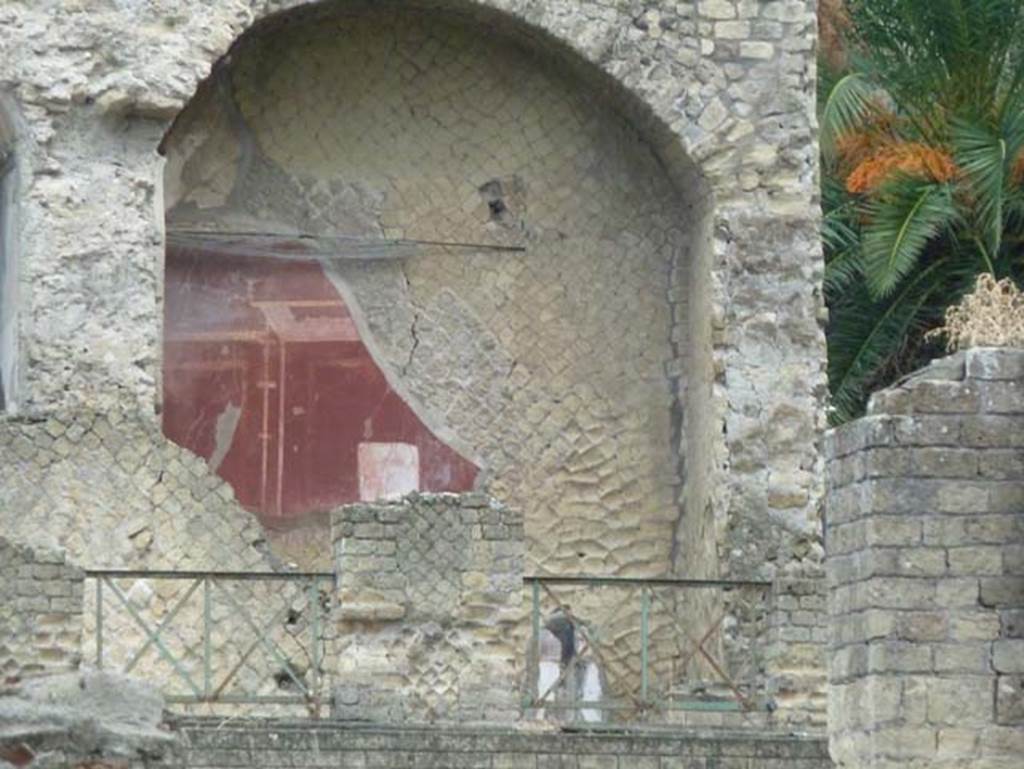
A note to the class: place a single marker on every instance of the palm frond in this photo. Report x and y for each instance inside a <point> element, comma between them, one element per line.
<point>843,271</point>
<point>903,218</point>
<point>866,335</point>
<point>846,107</point>
<point>984,161</point>
<point>938,58</point>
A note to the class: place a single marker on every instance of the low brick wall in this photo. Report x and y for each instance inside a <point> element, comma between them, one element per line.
<point>219,745</point>
<point>925,542</point>
<point>40,612</point>
<point>796,652</point>
<point>430,591</point>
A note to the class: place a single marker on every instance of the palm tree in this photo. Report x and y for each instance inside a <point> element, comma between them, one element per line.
<point>923,176</point>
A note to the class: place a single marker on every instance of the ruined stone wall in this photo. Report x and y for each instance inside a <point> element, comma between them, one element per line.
<point>210,743</point>
<point>114,494</point>
<point>657,376</point>
<point>722,87</point>
<point>40,612</point>
<point>925,539</point>
<point>796,652</point>
<point>430,593</point>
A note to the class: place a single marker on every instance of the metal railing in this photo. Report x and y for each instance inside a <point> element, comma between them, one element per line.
<point>204,638</point>
<point>645,646</point>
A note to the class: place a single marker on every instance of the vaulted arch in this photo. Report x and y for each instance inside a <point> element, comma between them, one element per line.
<point>518,244</point>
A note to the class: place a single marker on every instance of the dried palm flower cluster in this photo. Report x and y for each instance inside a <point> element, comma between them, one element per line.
<point>990,316</point>
<point>910,158</point>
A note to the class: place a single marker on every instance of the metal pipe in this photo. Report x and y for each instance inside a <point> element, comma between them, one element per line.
<point>580,579</point>
<point>227,575</point>
<point>645,610</point>
<point>99,624</point>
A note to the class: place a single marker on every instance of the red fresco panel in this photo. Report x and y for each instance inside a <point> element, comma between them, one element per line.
<point>266,377</point>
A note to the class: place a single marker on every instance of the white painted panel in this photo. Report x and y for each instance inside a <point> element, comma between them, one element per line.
<point>387,470</point>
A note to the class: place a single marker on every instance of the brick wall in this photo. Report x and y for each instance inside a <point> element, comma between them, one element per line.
<point>40,612</point>
<point>926,570</point>
<point>796,651</point>
<point>430,593</point>
<point>252,744</point>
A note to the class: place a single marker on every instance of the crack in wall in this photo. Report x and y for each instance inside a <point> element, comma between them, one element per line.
<point>415,343</point>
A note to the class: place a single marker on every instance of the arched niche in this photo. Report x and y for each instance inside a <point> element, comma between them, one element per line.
<point>517,246</point>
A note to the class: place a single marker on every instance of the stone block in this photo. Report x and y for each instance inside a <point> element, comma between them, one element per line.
<point>893,530</point>
<point>926,431</point>
<point>898,657</point>
<point>920,562</point>
<point>908,742</point>
<point>593,761</point>
<point>957,743</point>
<point>1008,655</point>
<point>1002,432</point>
<point>1003,592</point>
<point>1008,498</point>
<point>950,368</point>
<point>977,625</point>
<point>1002,464</point>
<point>932,397</point>
<point>922,626</point>
<point>944,462</point>
<point>954,592</point>
<point>514,761</point>
<point>895,400</point>
<point>1013,560</point>
<point>960,700</point>
<point>718,9</point>
<point>1003,741</point>
<point>994,363</point>
<point>1011,623</point>
<point>1004,397</point>
<point>757,49</point>
<point>732,30</point>
<point>1010,700</point>
<point>848,662</point>
<point>975,561</point>
<point>959,531</point>
<point>961,658</point>
<point>887,462</point>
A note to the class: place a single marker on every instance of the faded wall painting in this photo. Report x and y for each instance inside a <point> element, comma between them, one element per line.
<point>266,377</point>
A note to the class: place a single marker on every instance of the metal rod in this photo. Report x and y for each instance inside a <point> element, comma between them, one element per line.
<point>281,378</point>
<point>336,241</point>
<point>164,652</point>
<point>585,580</point>
<point>222,575</point>
<point>314,601</point>
<point>270,646</point>
<point>207,641</point>
<point>164,624</point>
<point>216,696</point>
<point>99,624</point>
<point>645,610</point>
<point>536,639</point>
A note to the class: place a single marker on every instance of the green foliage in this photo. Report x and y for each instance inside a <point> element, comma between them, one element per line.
<point>928,118</point>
